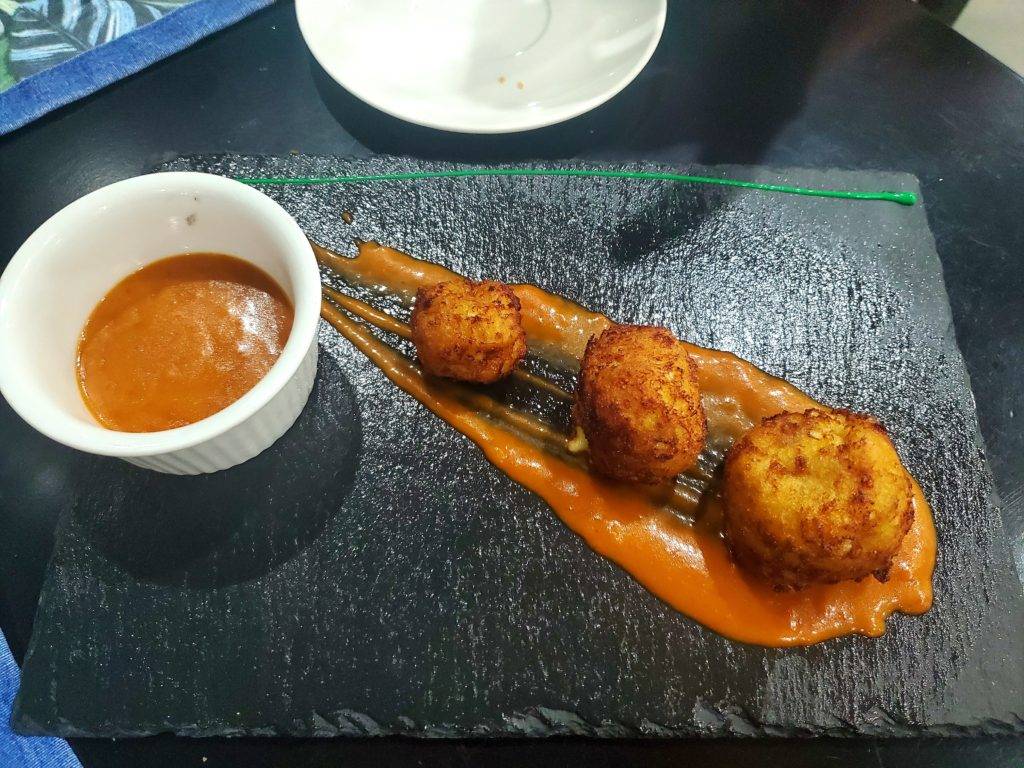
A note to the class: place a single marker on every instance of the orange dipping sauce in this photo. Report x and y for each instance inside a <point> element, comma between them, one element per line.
<point>179,340</point>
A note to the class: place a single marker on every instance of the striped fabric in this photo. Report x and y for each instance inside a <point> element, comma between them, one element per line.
<point>39,34</point>
<point>55,51</point>
<point>25,751</point>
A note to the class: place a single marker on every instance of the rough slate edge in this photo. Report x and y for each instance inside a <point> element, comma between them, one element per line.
<point>708,719</point>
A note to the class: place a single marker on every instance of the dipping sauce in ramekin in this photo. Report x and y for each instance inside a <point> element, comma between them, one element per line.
<point>63,272</point>
<point>179,340</point>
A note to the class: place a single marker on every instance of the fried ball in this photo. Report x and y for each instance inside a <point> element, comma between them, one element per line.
<point>468,331</point>
<point>638,404</point>
<point>818,496</point>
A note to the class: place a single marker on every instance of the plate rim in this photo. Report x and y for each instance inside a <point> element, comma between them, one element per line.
<point>564,114</point>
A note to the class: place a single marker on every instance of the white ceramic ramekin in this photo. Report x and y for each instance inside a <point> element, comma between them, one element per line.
<point>56,278</point>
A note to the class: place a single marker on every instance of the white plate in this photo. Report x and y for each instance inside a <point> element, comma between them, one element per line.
<point>482,66</point>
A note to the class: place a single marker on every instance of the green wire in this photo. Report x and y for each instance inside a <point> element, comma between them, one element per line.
<point>903,198</point>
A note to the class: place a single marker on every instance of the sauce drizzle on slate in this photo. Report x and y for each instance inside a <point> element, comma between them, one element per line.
<point>680,558</point>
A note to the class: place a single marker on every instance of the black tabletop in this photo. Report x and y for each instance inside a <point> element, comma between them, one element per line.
<point>875,85</point>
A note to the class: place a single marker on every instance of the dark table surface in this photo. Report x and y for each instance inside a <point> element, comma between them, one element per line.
<point>858,84</point>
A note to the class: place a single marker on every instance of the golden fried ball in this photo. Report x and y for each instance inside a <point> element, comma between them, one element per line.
<point>638,404</point>
<point>818,496</point>
<point>468,331</point>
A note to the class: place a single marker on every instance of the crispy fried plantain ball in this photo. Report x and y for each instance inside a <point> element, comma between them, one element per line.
<point>468,331</point>
<point>818,496</point>
<point>638,404</point>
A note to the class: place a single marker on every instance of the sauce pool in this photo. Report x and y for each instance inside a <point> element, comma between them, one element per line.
<point>179,340</point>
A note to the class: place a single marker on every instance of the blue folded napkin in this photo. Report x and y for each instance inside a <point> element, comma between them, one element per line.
<point>25,751</point>
<point>55,51</point>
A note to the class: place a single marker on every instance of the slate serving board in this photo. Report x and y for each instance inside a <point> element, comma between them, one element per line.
<point>373,574</point>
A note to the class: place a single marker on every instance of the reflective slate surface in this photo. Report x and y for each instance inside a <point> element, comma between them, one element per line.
<point>373,574</point>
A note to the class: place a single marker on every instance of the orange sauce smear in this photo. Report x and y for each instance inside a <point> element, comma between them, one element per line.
<point>179,340</point>
<point>685,564</point>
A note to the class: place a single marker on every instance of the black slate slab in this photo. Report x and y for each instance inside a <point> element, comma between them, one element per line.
<point>372,573</point>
